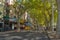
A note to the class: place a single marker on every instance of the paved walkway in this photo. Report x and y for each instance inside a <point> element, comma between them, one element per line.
<point>52,36</point>
<point>23,36</point>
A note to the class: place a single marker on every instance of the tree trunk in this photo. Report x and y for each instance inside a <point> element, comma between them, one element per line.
<point>58,22</point>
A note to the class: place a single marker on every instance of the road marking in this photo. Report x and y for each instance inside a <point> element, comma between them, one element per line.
<point>25,39</point>
<point>46,37</point>
<point>29,34</point>
<point>32,38</point>
<point>10,38</point>
<point>5,35</point>
<point>38,38</point>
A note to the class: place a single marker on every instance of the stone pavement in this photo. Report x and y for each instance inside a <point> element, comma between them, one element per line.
<point>26,35</point>
<point>53,35</point>
<point>23,36</point>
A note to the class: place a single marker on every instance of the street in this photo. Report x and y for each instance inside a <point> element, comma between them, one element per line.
<point>29,20</point>
<point>23,36</point>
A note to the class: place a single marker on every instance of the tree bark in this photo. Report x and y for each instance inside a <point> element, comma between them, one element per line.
<point>58,21</point>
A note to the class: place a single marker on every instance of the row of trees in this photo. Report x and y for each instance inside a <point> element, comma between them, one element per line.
<point>42,11</point>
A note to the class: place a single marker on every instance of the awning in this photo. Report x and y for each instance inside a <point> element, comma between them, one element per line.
<point>28,24</point>
<point>6,17</point>
<point>13,19</point>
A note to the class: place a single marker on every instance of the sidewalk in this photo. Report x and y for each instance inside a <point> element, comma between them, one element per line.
<point>6,32</point>
<point>53,36</point>
<point>16,31</point>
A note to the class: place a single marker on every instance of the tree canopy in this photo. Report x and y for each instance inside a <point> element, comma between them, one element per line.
<point>40,10</point>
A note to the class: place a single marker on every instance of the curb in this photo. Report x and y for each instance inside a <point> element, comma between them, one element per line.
<point>6,32</point>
